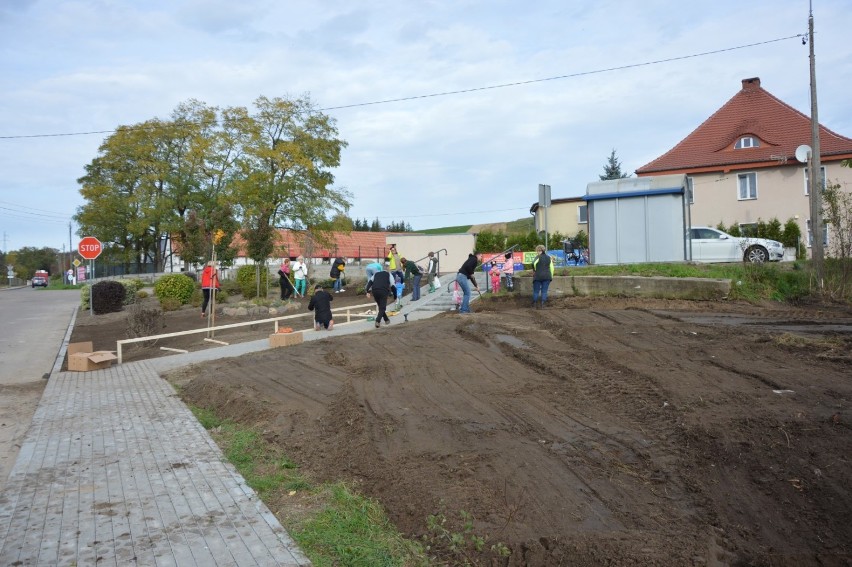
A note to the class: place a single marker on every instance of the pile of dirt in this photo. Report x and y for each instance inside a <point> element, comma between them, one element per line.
<point>593,432</point>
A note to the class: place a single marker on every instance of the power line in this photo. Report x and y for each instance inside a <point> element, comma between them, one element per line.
<point>471,90</point>
<point>52,213</point>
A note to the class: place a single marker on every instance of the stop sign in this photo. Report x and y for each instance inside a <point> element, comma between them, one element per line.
<point>89,248</point>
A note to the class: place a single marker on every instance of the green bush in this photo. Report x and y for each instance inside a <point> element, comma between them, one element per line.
<point>174,286</point>
<point>247,280</point>
<point>84,296</point>
<point>170,303</point>
<point>130,289</point>
<point>108,297</point>
<point>141,294</point>
<point>230,287</point>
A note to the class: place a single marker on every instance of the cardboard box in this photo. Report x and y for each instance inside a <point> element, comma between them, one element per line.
<point>83,358</point>
<point>285,339</point>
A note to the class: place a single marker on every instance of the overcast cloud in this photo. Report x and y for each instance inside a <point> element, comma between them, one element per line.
<point>92,65</point>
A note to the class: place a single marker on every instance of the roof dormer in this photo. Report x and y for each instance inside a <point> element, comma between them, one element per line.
<point>747,141</point>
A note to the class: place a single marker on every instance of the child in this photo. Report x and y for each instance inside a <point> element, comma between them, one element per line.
<point>509,271</point>
<point>399,287</point>
<point>457,295</point>
<point>495,278</point>
<point>320,304</point>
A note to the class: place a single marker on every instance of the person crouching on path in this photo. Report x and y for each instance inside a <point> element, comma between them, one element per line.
<point>320,304</point>
<point>542,275</point>
<point>381,287</point>
<point>372,269</point>
<point>284,280</point>
<point>209,283</point>
<point>300,275</point>
<point>412,273</point>
<point>465,277</point>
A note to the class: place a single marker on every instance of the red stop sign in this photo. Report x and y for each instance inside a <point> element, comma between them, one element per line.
<point>89,248</point>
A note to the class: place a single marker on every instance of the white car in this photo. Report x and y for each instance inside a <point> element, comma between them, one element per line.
<point>712,245</point>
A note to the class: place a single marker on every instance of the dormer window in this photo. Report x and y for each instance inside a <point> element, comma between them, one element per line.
<point>747,142</point>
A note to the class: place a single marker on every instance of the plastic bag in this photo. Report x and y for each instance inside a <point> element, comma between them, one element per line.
<point>437,282</point>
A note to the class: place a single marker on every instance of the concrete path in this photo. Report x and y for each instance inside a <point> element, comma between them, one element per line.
<point>115,470</point>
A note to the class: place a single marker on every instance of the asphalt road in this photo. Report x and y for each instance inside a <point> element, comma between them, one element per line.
<point>33,323</point>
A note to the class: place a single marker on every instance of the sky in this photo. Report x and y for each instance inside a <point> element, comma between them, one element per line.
<point>489,98</point>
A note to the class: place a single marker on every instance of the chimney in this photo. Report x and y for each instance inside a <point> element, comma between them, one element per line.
<point>751,84</point>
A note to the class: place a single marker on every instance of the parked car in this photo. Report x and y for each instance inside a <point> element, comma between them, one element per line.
<point>712,245</point>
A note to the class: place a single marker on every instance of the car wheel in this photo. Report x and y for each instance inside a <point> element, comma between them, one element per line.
<point>756,255</point>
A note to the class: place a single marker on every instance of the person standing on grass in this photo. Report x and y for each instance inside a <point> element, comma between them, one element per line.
<point>509,271</point>
<point>284,280</point>
<point>432,271</point>
<point>320,304</point>
<point>338,265</point>
<point>209,284</point>
<point>414,275</point>
<point>300,275</point>
<point>381,287</point>
<point>542,275</point>
<point>465,277</point>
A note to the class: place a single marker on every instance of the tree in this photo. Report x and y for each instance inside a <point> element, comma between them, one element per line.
<point>612,168</point>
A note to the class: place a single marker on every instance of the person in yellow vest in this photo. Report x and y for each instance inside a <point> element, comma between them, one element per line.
<point>394,265</point>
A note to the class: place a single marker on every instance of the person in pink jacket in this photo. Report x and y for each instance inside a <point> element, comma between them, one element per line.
<point>509,271</point>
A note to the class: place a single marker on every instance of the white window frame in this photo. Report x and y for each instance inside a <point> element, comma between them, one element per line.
<point>752,187</point>
<point>747,142</point>
<point>807,174</point>
<point>825,227</point>
<point>690,190</point>
<point>580,215</point>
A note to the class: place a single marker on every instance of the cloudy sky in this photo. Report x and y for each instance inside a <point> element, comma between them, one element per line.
<point>584,78</point>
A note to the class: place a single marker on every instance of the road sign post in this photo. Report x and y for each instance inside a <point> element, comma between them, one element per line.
<point>90,248</point>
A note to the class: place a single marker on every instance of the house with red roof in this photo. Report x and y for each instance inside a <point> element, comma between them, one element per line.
<point>741,162</point>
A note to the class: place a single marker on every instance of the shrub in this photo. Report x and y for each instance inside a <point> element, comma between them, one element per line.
<point>247,280</point>
<point>230,287</point>
<point>130,289</point>
<point>170,304</point>
<point>108,297</point>
<point>174,286</point>
<point>141,294</point>
<point>84,296</point>
<point>144,321</point>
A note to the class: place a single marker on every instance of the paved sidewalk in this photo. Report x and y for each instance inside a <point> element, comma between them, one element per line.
<point>115,470</point>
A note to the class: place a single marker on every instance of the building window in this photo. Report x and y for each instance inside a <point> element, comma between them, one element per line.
<point>690,191</point>
<point>747,186</point>
<point>583,214</point>
<point>747,142</point>
<point>808,179</point>
<point>824,234</point>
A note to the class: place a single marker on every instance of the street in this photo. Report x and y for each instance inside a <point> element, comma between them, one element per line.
<point>34,324</point>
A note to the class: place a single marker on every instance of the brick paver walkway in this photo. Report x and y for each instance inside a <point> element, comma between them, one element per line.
<point>115,470</point>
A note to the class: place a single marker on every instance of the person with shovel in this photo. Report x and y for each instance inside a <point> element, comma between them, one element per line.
<point>465,277</point>
<point>209,284</point>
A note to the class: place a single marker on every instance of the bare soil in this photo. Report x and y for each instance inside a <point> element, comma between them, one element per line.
<point>593,432</point>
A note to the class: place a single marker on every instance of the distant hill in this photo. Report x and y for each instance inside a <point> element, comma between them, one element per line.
<point>520,226</point>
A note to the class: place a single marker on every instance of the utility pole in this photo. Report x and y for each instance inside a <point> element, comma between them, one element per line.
<point>817,181</point>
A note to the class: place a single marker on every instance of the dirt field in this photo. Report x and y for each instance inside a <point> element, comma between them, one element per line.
<point>593,432</point>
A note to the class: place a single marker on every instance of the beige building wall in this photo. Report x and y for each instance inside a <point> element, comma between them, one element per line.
<point>562,217</point>
<point>454,248</point>
<point>780,194</point>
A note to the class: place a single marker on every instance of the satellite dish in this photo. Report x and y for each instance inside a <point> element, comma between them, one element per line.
<point>803,152</point>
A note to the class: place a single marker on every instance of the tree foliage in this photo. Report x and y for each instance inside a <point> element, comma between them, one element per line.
<point>207,172</point>
<point>612,168</point>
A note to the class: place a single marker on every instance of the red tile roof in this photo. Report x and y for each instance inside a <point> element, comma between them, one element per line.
<point>753,111</point>
<point>356,244</point>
